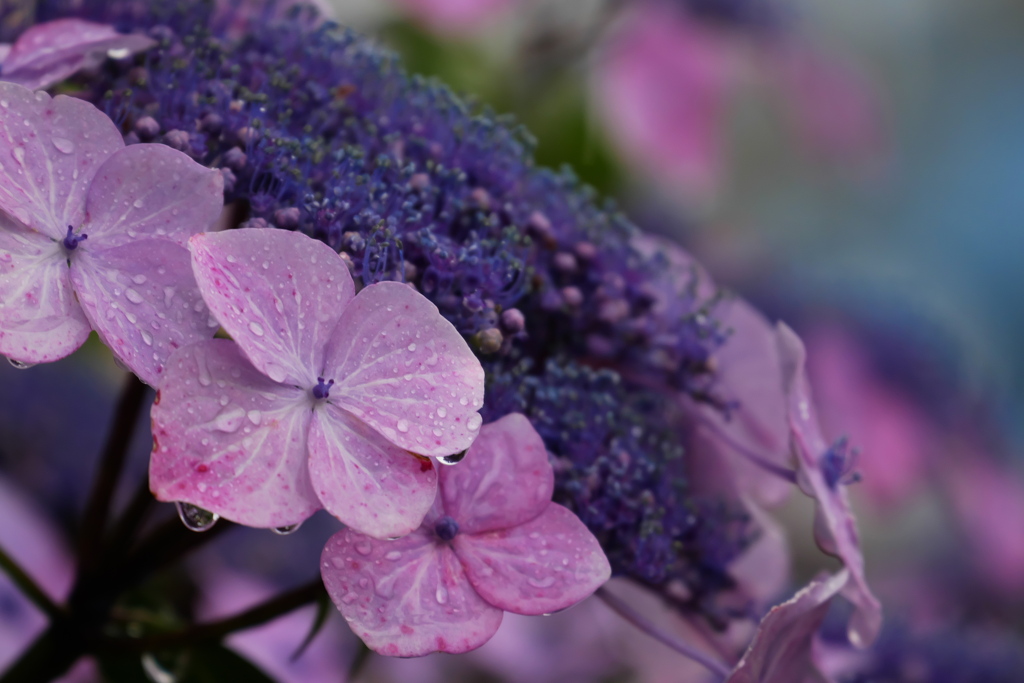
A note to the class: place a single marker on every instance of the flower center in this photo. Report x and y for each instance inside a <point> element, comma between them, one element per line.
<point>322,389</point>
<point>72,240</point>
<point>446,528</point>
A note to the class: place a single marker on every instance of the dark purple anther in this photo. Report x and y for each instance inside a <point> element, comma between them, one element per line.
<point>71,240</point>
<point>838,464</point>
<point>446,528</point>
<point>322,390</point>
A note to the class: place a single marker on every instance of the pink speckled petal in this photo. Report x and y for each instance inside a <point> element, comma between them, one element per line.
<point>782,649</point>
<point>278,294</point>
<point>48,53</point>
<point>835,528</point>
<point>366,481</point>
<point>504,480</point>
<point>405,370</point>
<point>227,439</point>
<point>545,565</point>
<point>142,300</point>
<point>40,321</point>
<point>151,191</point>
<point>50,149</point>
<point>405,598</point>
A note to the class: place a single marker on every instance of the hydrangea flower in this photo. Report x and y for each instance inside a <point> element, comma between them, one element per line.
<point>324,399</point>
<point>493,542</point>
<point>91,236</point>
<point>48,53</point>
<point>823,470</point>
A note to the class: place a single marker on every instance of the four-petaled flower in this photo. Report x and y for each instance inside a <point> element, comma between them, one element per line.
<point>324,399</point>
<point>493,541</point>
<point>48,53</point>
<point>92,236</point>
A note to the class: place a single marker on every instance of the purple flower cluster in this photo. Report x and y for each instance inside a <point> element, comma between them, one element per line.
<point>318,130</point>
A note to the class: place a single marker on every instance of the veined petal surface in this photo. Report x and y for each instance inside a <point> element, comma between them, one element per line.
<point>142,300</point>
<point>40,320</point>
<point>366,481</point>
<point>278,294</point>
<point>50,149</point>
<point>547,564</point>
<point>405,598</point>
<point>229,440</point>
<point>151,190</point>
<point>504,480</point>
<point>406,371</point>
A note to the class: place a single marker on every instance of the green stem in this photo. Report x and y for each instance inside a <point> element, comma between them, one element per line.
<point>216,630</point>
<point>97,509</point>
<point>27,585</point>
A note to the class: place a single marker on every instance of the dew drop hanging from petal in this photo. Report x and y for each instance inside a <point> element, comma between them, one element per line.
<point>19,365</point>
<point>286,530</point>
<point>196,518</point>
<point>453,459</point>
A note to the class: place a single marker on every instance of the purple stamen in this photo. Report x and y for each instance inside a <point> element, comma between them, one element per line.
<point>72,240</point>
<point>838,464</point>
<point>322,390</point>
<point>446,528</point>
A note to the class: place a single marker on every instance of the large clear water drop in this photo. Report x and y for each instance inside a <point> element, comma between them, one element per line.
<point>196,518</point>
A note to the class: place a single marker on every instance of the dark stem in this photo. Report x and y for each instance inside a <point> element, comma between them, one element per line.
<point>216,630</point>
<point>632,616</point>
<point>27,585</point>
<point>45,660</point>
<point>166,544</point>
<point>97,509</point>
<point>359,661</point>
<point>130,520</point>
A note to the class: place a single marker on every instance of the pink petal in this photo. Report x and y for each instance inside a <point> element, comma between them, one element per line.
<point>364,480</point>
<point>406,371</point>
<point>40,321</point>
<point>662,86</point>
<point>49,152</point>
<point>405,598</point>
<point>835,528</point>
<point>48,53</point>
<point>151,191</point>
<point>142,300</point>
<point>782,649</point>
<point>550,563</point>
<point>749,373</point>
<point>227,439</point>
<point>278,294</point>
<point>504,480</point>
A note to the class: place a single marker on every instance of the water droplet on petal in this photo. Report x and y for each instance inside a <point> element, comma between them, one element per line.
<point>403,426</point>
<point>229,420</point>
<point>442,411</point>
<point>285,530</point>
<point>255,417</point>
<point>137,203</point>
<point>364,547</point>
<point>412,347</point>
<point>64,145</point>
<point>393,555</point>
<point>19,365</point>
<point>147,338</point>
<point>256,329</point>
<point>196,518</point>
<point>441,595</point>
<point>133,296</point>
<point>474,422</point>
<point>453,459</point>
<point>542,582</point>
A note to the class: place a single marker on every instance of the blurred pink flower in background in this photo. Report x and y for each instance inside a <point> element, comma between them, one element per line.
<point>457,16</point>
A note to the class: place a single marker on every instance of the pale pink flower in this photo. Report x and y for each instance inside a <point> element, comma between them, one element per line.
<point>92,233</point>
<point>46,54</point>
<point>324,399</point>
<point>783,650</point>
<point>493,542</point>
<point>822,473</point>
<point>457,16</point>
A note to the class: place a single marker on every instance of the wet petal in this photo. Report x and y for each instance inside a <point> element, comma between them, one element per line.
<point>545,565</point>
<point>405,370</point>
<point>278,294</point>
<point>504,480</point>
<point>40,321</point>
<point>366,481</point>
<point>49,152</point>
<point>835,529</point>
<point>405,598</point>
<point>142,300</point>
<point>781,651</point>
<point>151,191</point>
<point>48,53</point>
<point>227,439</point>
